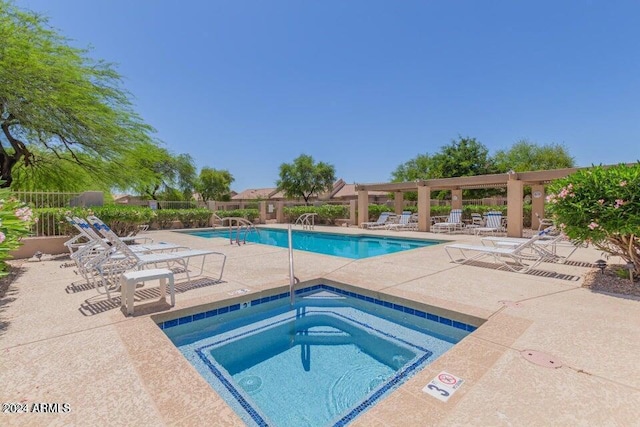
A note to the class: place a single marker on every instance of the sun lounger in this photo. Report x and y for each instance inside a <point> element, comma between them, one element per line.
<point>547,245</point>
<point>454,222</point>
<point>520,258</point>
<point>112,265</point>
<point>493,224</point>
<point>407,221</point>
<point>381,221</point>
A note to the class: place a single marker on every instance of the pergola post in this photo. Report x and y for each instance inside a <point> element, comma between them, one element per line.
<point>263,212</point>
<point>515,193</point>
<point>456,198</point>
<point>363,206</point>
<point>280,212</point>
<point>537,205</point>
<point>353,208</point>
<point>398,202</point>
<point>424,208</point>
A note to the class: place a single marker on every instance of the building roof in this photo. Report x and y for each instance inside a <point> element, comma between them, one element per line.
<point>254,193</point>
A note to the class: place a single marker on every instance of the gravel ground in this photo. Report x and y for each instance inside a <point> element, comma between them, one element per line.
<point>610,282</point>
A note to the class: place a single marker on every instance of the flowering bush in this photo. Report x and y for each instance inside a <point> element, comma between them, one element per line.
<point>602,206</point>
<point>15,222</point>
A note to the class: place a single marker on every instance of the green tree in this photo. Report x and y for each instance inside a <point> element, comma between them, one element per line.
<point>161,174</point>
<point>214,184</point>
<point>462,157</point>
<point>421,167</point>
<point>304,178</point>
<point>55,98</point>
<point>527,156</point>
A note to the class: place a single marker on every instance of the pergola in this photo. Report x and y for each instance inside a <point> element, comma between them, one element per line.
<point>514,182</point>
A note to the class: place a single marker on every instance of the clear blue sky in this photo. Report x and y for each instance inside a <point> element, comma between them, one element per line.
<point>366,85</point>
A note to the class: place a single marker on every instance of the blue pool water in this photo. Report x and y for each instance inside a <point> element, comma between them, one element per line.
<point>347,246</point>
<point>323,361</point>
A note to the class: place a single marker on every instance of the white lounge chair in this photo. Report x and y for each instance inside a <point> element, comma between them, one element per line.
<point>92,237</point>
<point>493,224</point>
<point>454,222</point>
<point>476,222</point>
<point>520,258</point>
<point>381,221</point>
<point>113,266</point>
<point>548,245</point>
<point>407,221</point>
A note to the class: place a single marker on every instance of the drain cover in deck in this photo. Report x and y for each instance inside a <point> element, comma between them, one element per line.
<point>508,303</point>
<point>541,359</point>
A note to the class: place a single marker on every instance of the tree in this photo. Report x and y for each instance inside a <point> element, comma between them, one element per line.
<point>214,184</point>
<point>53,97</point>
<point>160,173</point>
<point>304,178</point>
<point>421,167</point>
<point>602,206</point>
<point>527,156</point>
<point>462,157</point>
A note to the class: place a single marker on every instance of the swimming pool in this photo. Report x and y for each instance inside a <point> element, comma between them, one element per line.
<point>347,246</point>
<point>323,361</point>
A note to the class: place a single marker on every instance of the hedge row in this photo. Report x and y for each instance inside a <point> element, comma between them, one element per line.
<point>124,220</point>
<point>327,214</point>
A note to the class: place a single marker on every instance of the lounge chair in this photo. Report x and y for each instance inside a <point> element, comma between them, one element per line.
<point>454,222</point>
<point>476,222</point>
<point>493,224</point>
<point>548,245</point>
<point>381,221</point>
<point>407,221</point>
<point>520,258</point>
<point>102,242</point>
<point>112,266</point>
<point>543,222</point>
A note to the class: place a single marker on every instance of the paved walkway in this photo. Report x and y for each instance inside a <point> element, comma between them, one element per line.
<point>61,342</point>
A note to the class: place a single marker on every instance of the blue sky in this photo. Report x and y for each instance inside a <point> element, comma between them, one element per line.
<point>367,85</point>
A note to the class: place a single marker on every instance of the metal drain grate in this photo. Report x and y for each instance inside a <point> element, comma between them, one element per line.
<point>508,303</point>
<point>541,359</point>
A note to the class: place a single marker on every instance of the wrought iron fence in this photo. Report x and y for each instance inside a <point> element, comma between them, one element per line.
<point>48,223</point>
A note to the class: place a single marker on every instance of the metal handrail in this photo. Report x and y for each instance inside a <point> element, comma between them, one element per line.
<point>292,278</point>
<point>240,225</point>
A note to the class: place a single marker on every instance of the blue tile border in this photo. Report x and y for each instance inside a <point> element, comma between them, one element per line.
<point>399,307</point>
<point>396,380</point>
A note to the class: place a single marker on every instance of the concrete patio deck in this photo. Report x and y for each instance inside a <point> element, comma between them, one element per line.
<point>62,342</point>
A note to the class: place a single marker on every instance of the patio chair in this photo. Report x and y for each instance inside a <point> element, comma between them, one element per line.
<point>407,221</point>
<point>543,222</point>
<point>548,244</point>
<point>381,221</point>
<point>391,219</point>
<point>454,222</point>
<point>98,242</point>
<point>493,224</point>
<point>521,258</point>
<point>476,222</point>
<point>109,267</point>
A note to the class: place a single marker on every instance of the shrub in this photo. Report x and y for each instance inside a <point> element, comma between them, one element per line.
<point>194,217</point>
<point>327,214</point>
<point>15,222</point>
<point>123,220</point>
<point>250,214</point>
<point>602,206</point>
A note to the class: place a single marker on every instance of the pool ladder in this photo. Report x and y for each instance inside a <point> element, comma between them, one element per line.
<point>242,228</point>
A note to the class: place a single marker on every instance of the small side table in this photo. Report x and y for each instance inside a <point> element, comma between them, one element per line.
<point>129,280</point>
